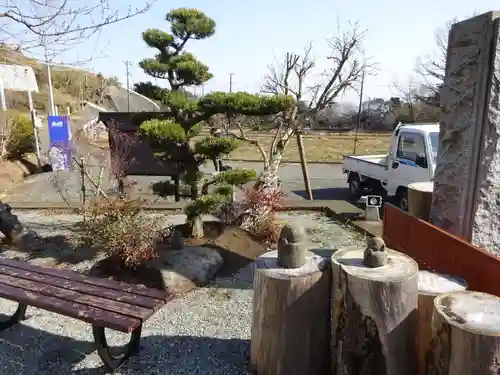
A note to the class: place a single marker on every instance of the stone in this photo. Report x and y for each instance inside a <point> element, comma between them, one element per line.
<point>177,241</point>
<point>186,269</point>
<point>292,246</point>
<point>375,254</point>
<point>467,178</point>
<point>12,228</point>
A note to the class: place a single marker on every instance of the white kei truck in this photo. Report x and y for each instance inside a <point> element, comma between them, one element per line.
<point>411,158</point>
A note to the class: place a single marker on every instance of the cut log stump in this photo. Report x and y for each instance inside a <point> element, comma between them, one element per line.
<point>430,285</point>
<point>420,199</point>
<point>374,314</point>
<point>466,335</point>
<point>290,322</point>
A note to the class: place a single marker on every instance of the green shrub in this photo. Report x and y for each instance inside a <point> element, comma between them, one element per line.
<point>21,137</point>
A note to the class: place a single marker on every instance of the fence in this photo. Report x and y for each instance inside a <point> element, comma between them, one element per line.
<point>436,250</point>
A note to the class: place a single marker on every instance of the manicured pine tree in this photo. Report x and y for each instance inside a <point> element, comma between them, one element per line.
<point>172,138</point>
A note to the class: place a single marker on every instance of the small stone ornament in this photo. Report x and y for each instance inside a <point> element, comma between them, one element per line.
<point>375,254</point>
<point>292,246</point>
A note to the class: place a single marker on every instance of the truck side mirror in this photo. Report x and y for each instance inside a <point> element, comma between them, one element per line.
<point>421,161</point>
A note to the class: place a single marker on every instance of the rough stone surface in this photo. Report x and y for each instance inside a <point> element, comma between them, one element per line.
<point>184,270</point>
<point>292,246</point>
<point>467,178</point>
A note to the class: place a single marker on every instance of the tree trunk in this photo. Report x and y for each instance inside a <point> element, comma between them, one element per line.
<point>268,180</point>
<point>269,177</point>
<point>197,227</point>
<point>466,335</point>
<point>374,313</point>
<point>290,322</point>
<point>431,285</point>
<point>420,199</point>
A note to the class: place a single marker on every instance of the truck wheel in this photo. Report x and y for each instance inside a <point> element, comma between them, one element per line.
<point>355,187</point>
<point>402,199</point>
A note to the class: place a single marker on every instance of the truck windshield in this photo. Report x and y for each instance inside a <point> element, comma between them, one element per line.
<point>434,143</point>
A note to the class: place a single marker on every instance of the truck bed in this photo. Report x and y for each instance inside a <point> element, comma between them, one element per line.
<point>372,166</point>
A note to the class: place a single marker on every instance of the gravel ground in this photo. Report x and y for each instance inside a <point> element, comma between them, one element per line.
<point>205,332</point>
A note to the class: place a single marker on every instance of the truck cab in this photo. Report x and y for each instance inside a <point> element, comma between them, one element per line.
<point>411,158</point>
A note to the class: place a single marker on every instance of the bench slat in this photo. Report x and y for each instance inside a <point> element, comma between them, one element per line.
<point>111,294</point>
<point>104,283</point>
<point>72,296</point>
<point>89,314</point>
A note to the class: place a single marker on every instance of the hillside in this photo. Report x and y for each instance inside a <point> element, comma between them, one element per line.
<point>71,86</point>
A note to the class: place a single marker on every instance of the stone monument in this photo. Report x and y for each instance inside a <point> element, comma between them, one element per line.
<point>466,197</point>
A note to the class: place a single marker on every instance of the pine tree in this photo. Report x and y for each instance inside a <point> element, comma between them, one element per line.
<point>172,138</point>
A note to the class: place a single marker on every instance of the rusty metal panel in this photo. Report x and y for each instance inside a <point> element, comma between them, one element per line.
<point>439,251</point>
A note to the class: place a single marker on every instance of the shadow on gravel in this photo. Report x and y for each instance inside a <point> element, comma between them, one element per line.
<point>49,251</point>
<point>29,351</point>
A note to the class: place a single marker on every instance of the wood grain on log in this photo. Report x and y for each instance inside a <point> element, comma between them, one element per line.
<point>290,323</point>
<point>420,199</point>
<point>431,285</point>
<point>373,314</point>
<point>466,335</point>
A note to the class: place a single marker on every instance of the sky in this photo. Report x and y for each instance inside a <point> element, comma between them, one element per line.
<point>250,35</point>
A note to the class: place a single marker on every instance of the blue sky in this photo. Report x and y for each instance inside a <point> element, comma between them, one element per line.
<point>252,34</point>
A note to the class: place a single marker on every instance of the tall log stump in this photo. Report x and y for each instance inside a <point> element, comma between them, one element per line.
<point>466,335</point>
<point>374,311</point>
<point>430,285</point>
<point>290,323</point>
<point>420,199</point>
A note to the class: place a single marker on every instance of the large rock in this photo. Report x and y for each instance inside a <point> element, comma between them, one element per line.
<point>183,270</point>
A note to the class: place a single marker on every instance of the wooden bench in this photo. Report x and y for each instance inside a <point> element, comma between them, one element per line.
<point>102,303</point>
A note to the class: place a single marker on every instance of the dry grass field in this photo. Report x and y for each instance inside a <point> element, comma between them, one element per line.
<point>319,146</point>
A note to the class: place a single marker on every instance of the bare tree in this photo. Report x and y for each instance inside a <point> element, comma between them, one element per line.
<point>431,67</point>
<point>60,24</point>
<point>295,76</point>
<point>407,91</point>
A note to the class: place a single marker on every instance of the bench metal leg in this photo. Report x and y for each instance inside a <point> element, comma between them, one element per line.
<point>19,315</point>
<point>113,357</point>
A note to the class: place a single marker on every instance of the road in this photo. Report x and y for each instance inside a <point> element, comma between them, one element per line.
<point>327,182</point>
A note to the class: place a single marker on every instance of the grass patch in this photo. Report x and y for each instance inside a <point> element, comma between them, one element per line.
<point>319,147</point>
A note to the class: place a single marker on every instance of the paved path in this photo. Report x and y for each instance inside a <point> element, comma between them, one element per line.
<point>327,181</point>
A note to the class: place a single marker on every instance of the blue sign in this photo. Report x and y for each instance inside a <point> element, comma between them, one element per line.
<point>60,145</point>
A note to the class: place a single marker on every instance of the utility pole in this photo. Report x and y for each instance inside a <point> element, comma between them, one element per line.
<point>231,82</point>
<point>52,106</point>
<point>127,64</point>
<point>358,123</point>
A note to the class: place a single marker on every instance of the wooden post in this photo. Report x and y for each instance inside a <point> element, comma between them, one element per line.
<point>431,285</point>
<point>290,323</point>
<point>303,164</point>
<point>374,313</point>
<point>82,182</point>
<point>466,335</point>
<point>420,199</point>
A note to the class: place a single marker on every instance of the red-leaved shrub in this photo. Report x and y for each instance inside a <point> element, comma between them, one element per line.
<point>123,231</point>
<point>261,206</point>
